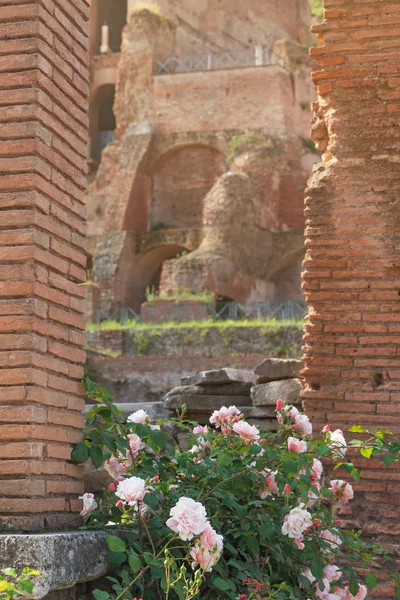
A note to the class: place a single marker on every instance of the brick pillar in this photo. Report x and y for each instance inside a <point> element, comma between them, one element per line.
<point>43,138</point>
<point>352,264</point>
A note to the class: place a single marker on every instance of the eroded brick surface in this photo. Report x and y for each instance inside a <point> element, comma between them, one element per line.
<point>43,136</point>
<point>351,269</point>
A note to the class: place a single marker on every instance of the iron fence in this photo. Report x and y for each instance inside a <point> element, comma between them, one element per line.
<point>255,57</point>
<point>234,311</point>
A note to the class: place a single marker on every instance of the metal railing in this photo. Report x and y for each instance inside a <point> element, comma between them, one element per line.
<point>234,311</point>
<point>254,57</point>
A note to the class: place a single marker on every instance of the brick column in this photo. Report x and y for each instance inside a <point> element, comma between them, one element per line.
<point>352,265</point>
<point>43,138</point>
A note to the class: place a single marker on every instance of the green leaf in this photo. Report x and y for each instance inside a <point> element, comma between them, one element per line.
<point>366,452</point>
<point>80,453</point>
<point>290,466</point>
<point>158,438</point>
<point>224,460</point>
<point>316,569</point>
<point>220,584</point>
<point>357,429</point>
<point>148,557</point>
<point>9,572</point>
<point>96,456</point>
<point>252,544</point>
<point>135,563</point>
<point>115,543</point>
<point>99,595</point>
<point>354,587</point>
<point>116,558</point>
<point>31,572</point>
<point>388,460</point>
<point>255,449</point>
<point>25,585</point>
<point>371,580</point>
<point>151,500</point>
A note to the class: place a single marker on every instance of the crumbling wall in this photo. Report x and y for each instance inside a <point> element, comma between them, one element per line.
<point>352,266</point>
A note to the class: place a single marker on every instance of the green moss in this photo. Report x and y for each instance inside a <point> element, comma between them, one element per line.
<point>316,7</point>
<point>270,325</point>
<point>179,295</point>
<point>141,342</point>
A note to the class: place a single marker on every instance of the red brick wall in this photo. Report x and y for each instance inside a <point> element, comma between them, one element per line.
<point>43,133</point>
<point>352,265</point>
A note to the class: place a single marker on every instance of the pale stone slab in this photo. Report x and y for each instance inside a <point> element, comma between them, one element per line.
<point>63,559</point>
<point>220,376</point>
<point>266,394</point>
<point>226,389</point>
<point>205,404</point>
<point>274,369</point>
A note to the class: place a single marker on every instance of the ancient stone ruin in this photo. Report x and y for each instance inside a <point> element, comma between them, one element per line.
<point>202,188</point>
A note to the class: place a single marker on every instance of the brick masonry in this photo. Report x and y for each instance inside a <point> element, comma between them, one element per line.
<point>43,139</point>
<point>351,270</point>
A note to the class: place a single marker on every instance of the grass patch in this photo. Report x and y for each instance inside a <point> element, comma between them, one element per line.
<point>149,6</point>
<point>271,324</point>
<point>184,294</point>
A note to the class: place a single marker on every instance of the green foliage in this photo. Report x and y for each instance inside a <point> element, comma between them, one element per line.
<point>237,143</point>
<point>316,7</point>
<point>310,146</point>
<point>159,226</point>
<point>141,342</point>
<point>270,325</point>
<point>243,486</point>
<point>177,295</point>
<point>380,444</point>
<point>14,585</point>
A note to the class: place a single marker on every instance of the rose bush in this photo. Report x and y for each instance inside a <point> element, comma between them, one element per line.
<point>243,514</point>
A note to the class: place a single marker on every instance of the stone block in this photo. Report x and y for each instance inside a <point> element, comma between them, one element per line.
<point>274,369</point>
<point>219,376</point>
<point>266,394</point>
<point>204,403</point>
<point>226,389</point>
<point>63,559</point>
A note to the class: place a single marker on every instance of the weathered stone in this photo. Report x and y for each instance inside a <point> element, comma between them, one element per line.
<point>274,369</point>
<point>219,376</point>
<point>63,559</point>
<point>227,389</point>
<point>267,394</point>
<point>205,404</point>
<point>155,410</point>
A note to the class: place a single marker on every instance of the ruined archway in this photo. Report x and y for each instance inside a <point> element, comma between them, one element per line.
<point>112,13</point>
<point>180,180</point>
<point>102,121</point>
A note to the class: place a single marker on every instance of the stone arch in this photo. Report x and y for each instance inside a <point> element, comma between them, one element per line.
<point>180,180</point>
<point>102,121</point>
<point>148,267</point>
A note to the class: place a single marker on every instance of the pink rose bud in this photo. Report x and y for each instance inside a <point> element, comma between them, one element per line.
<point>279,404</point>
<point>326,428</point>
<point>111,487</point>
<point>236,419</point>
<point>338,522</point>
<point>286,489</point>
<point>242,596</point>
<point>120,505</point>
<point>156,478</point>
<point>316,522</point>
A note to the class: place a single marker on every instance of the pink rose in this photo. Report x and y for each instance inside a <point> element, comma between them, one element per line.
<point>297,446</point>
<point>200,429</point>
<point>332,540</point>
<point>246,432</point>
<point>140,416</point>
<point>299,542</point>
<point>279,405</point>
<point>211,540</point>
<point>342,490</point>
<point>308,575</point>
<point>316,469</point>
<point>135,444</point>
<point>131,490</point>
<point>224,416</point>
<point>270,487</point>
<point>114,467</point>
<point>345,594</point>
<point>89,504</point>
<point>332,573</point>
<point>288,412</point>
<point>337,443</point>
<point>188,518</point>
<point>303,423</point>
<point>296,522</point>
<point>325,593</point>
